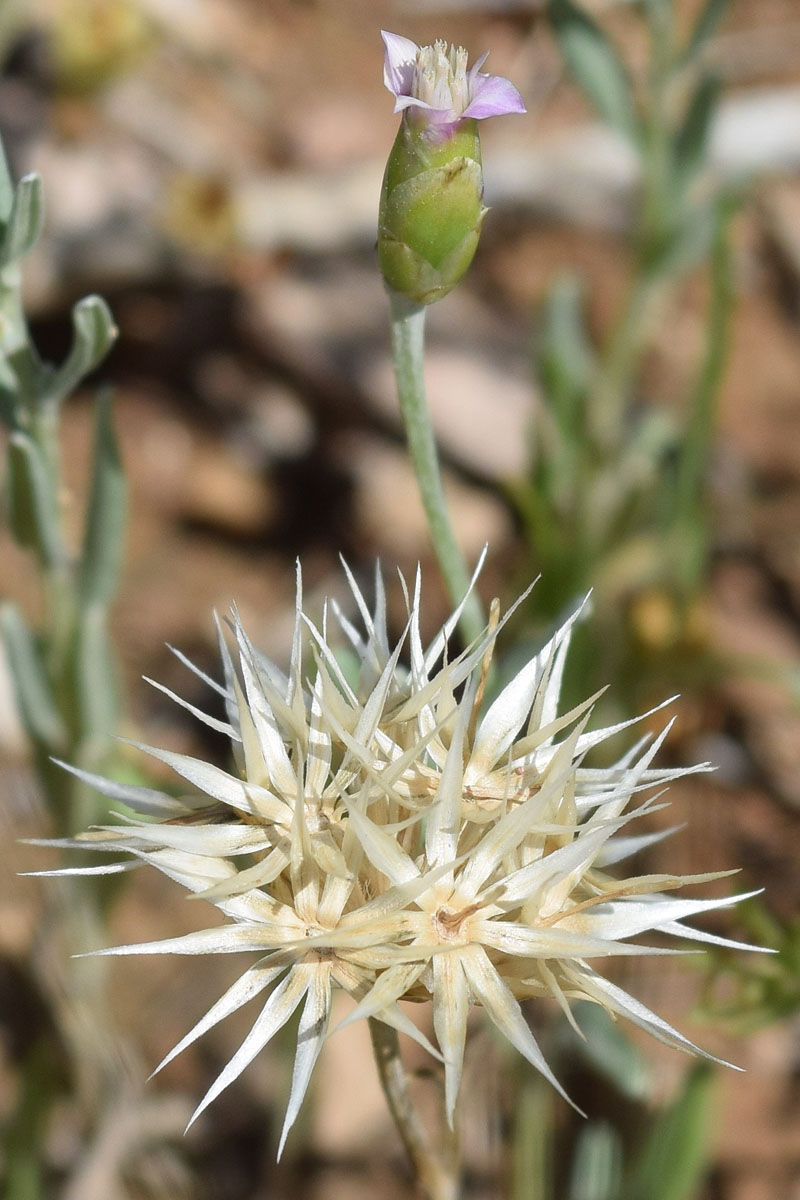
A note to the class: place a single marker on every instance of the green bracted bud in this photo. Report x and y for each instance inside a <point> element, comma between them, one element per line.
<point>431,210</point>
<point>432,199</point>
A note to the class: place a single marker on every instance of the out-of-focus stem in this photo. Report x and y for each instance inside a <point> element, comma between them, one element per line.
<point>435,1173</point>
<point>408,350</point>
<point>688,511</point>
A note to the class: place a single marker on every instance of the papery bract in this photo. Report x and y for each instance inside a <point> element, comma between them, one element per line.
<point>386,834</point>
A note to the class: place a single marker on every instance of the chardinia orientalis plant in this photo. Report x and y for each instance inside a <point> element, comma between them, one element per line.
<point>394,838</point>
<point>392,835</point>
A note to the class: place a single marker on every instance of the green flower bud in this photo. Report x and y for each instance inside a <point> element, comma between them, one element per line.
<point>432,199</point>
<point>431,210</point>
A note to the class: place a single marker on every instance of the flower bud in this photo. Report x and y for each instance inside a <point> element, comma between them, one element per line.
<point>432,198</point>
<point>431,211</point>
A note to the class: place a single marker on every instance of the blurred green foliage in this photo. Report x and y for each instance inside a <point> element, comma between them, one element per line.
<point>64,673</point>
<point>748,994</point>
<point>628,1148</point>
<point>616,497</point>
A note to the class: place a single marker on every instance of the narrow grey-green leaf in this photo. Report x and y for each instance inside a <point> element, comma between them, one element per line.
<point>94,333</point>
<point>690,244</point>
<point>596,1163</point>
<point>6,186</point>
<point>32,507</point>
<point>672,1161</point>
<point>105,518</point>
<point>25,221</point>
<point>37,706</point>
<point>565,354</point>
<point>595,65</point>
<point>690,150</point>
<point>94,676</point>
<point>705,26</point>
<point>610,1052</point>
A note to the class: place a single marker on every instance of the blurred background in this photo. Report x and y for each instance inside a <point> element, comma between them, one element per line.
<point>616,388</point>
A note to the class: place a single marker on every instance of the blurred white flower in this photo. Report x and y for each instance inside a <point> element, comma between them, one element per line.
<point>390,836</point>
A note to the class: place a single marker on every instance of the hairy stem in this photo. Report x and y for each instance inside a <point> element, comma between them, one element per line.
<point>408,349</point>
<point>435,1171</point>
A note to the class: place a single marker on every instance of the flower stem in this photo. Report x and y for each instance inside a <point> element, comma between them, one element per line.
<point>408,348</point>
<point>436,1176</point>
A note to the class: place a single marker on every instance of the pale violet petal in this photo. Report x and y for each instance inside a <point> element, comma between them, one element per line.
<point>493,96</point>
<point>400,57</point>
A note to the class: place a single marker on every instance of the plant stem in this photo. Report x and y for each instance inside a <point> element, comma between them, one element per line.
<point>408,349</point>
<point>437,1178</point>
<point>688,512</point>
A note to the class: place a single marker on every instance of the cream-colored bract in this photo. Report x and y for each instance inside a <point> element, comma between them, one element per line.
<point>385,832</point>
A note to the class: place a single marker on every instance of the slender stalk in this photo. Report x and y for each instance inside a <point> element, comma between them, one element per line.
<point>408,350</point>
<point>689,491</point>
<point>436,1176</point>
<point>610,395</point>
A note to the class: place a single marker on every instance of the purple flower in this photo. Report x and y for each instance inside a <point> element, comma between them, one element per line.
<point>433,82</point>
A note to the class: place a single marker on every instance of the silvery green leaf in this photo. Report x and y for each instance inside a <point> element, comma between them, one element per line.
<point>595,65</point>
<point>690,150</point>
<point>610,1052</point>
<point>566,357</point>
<point>37,707</point>
<point>596,1163</point>
<point>705,26</point>
<point>94,333</point>
<point>6,186</point>
<point>94,675</point>
<point>105,522</point>
<point>673,1159</point>
<point>31,505</point>
<point>24,221</point>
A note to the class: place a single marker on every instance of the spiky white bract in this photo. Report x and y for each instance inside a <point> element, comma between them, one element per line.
<point>392,836</point>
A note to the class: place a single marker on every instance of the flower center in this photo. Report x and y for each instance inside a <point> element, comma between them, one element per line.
<point>440,77</point>
<point>448,923</point>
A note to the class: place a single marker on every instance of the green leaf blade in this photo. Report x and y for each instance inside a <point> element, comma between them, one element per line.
<point>103,542</point>
<point>24,222</point>
<point>32,509</point>
<point>673,1159</point>
<point>94,333</point>
<point>596,66</point>
<point>37,706</point>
